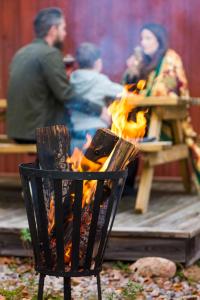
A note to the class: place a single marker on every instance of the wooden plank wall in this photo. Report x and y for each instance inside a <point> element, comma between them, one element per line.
<point>114,25</point>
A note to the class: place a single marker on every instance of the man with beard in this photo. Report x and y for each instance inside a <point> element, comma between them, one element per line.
<point>38,87</point>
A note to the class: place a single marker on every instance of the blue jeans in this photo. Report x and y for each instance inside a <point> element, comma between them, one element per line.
<point>78,138</point>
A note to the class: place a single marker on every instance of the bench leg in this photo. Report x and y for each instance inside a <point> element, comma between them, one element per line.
<point>184,163</point>
<point>144,190</point>
<point>196,183</point>
<point>185,174</point>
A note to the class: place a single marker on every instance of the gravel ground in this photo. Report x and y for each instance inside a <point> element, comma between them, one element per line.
<point>19,282</point>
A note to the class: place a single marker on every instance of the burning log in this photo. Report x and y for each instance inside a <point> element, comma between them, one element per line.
<point>52,147</point>
<point>111,156</point>
<point>122,153</point>
<point>52,150</point>
<point>53,144</point>
<point>99,149</point>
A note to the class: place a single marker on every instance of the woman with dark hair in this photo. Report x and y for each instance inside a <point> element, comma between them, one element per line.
<point>155,62</point>
<point>163,70</point>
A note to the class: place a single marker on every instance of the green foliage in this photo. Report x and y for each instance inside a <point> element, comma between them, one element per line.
<point>179,271</point>
<point>15,294</point>
<point>180,274</point>
<point>111,296</point>
<point>122,266</point>
<point>131,291</point>
<point>25,235</point>
<point>198,263</point>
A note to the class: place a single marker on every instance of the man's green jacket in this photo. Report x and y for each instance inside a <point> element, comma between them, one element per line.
<point>37,91</point>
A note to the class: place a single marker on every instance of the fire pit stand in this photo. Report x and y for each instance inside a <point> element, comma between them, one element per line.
<point>72,242</point>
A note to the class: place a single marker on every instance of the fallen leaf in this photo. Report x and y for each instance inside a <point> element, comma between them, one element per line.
<point>6,260</point>
<point>178,287</point>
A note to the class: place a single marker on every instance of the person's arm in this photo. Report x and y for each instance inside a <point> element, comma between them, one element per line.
<point>92,109</point>
<point>81,104</point>
<point>54,73</point>
<point>107,88</point>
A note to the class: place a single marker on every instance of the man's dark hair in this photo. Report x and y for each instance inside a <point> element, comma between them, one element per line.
<point>45,19</point>
<point>87,54</point>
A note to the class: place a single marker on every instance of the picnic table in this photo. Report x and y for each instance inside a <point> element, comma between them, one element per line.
<point>173,110</point>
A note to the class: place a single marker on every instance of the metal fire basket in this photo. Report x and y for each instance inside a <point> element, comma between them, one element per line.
<point>72,242</point>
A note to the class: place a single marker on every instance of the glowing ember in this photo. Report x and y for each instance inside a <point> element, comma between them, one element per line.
<point>51,215</point>
<point>68,250</point>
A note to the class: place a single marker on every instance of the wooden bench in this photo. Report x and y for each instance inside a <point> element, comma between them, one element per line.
<point>154,146</point>
<point>173,111</point>
<point>8,146</point>
<point>13,148</point>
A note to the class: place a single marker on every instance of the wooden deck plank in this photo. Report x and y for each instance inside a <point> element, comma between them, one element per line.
<point>18,222</point>
<point>179,216</point>
<point>9,214</point>
<point>154,213</point>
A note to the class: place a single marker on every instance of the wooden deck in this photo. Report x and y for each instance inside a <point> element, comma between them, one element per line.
<point>171,227</point>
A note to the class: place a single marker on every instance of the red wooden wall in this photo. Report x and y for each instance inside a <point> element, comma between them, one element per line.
<point>112,24</point>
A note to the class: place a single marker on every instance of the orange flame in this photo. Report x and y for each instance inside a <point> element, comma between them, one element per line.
<point>51,214</point>
<point>122,127</point>
<point>75,160</point>
<point>68,250</point>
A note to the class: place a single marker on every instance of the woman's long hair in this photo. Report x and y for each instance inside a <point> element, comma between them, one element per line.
<point>151,63</point>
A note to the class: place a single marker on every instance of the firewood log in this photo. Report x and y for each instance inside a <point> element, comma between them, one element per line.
<point>123,153</point>
<point>99,149</point>
<point>52,150</point>
<point>53,144</point>
<point>52,147</point>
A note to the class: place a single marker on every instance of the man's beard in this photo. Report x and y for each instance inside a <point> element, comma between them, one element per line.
<point>59,45</point>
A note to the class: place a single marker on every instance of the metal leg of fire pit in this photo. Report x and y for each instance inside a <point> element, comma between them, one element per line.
<point>99,287</point>
<point>41,286</point>
<point>67,289</point>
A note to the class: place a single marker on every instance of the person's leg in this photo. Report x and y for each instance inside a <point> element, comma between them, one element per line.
<point>76,143</point>
<point>78,138</point>
<point>130,181</point>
